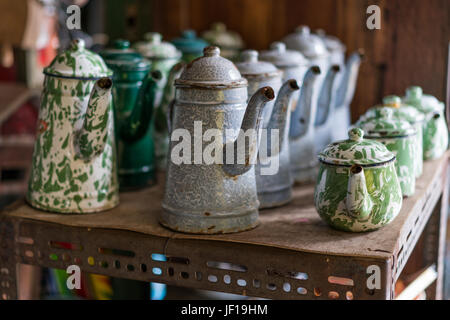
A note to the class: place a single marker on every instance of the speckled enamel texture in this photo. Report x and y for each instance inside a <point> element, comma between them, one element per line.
<point>403,112</point>
<point>435,131</point>
<point>399,137</point>
<point>74,165</point>
<point>213,197</point>
<point>357,187</point>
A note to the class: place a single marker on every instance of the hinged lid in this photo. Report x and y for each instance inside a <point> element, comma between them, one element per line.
<point>78,62</point>
<point>121,57</point>
<point>356,150</point>
<point>281,57</point>
<point>189,42</point>
<point>310,45</point>
<point>386,125</point>
<point>400,110</point>
<point>212,71</point>
<point>154,48</point>
<point>250,66</point>
<point>221,37</point>
<point>424,102</point>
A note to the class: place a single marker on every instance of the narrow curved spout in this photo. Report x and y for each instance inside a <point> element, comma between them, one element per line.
<point>138,122</point>
<point>346,89</point>
<point>327,98</point>
<point>358,202</point>
<point>303,117</point>
<point>239,155</point>
<point>91,139</point>
<point>279,117</point>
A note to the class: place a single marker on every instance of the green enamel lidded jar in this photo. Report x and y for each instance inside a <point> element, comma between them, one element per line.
<point>435,130</point>
<point>403,112</point>
<point>134,92</point>
<point>74,168</point>
<point>190,45</point>
<point>357,187</point>
<point>399,137</point>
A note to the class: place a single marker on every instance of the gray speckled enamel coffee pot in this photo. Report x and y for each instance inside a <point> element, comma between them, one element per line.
<point>273,175</point>
<point>344,96</point>
<point>301,134</point>
<point>218,196</point>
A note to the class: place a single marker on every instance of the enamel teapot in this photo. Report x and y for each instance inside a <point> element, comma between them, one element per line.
<point>210,180</point>
<point>435,131</point>
<point>190,45</point>
<point>357,187</point>
<point>334,46</point>
<point>399,137</point>
<point>273,176</point>
<point>229,42</point>
<point>403,112</point>
<point>134,92</point>
<point>74,166</point>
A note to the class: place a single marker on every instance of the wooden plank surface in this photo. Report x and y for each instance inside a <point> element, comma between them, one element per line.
<point>295,226</point>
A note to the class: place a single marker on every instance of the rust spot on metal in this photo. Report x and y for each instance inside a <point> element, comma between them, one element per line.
<point>207,214</point>
<point>212,227</point>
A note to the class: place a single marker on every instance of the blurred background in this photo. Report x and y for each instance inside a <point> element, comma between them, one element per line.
<point>410,48</point>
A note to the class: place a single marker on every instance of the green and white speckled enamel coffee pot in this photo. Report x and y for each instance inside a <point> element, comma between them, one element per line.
<point>357,187</point>
<point>229,42</point>
<point>435,132</point>
<point>399,137</point>
<point>404,112</point>
<point>74,162</point>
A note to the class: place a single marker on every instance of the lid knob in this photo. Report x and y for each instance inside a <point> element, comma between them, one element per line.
<point>386,112</point>
<point>279,47</point>
<point>77,44</point>
<point>189,34</point>
<point>249,56</point>
<point>356,134</point>
<point>153,37</point>
<point>414,93</point>
<point>219,27</point>
<point>303,30</point>
<point>121,44</point>
<point>211,51</point>
<point>392,101</point>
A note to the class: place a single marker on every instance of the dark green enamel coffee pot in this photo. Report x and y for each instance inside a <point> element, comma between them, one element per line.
<point>133,92</point>
<point>190,45</point>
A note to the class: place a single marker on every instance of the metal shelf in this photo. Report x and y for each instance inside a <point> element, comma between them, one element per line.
<point>292,254</point>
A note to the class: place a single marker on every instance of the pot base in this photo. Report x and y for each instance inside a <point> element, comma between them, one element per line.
<point>275,199</point>
<point>209,223</point>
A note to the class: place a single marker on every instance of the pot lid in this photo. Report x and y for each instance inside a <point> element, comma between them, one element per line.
<point>251,66</point>
<point>310,45</point>
<point>386,125</point>
<point>400,110</point>
<point>78,62</point>
<point>221,37</point>
<point>212,71</point>
<point>356,150</point>
<point>121,57</point>
<point>423,102</point>
<point>281,57</point>
<point>189,42</point>
<point>154,48</point>
<point>332,43</point>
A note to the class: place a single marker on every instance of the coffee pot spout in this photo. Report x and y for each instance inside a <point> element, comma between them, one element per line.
<point>91,138</point>
<point>358,202</point>
<point>240,154</point>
